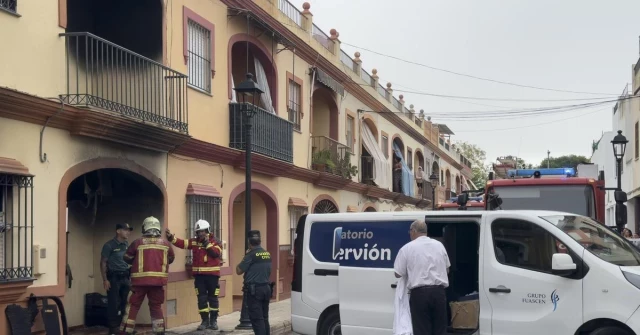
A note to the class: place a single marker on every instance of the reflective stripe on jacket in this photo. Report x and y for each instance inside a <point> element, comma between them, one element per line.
<point>151,258</point>
<point>206,258</point>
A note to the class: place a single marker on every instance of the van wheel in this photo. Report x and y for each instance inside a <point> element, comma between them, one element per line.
<point>331,324</point>
<point>609,331</point>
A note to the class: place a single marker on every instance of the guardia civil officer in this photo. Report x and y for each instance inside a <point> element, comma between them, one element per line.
<point>256,267</point>
<point>115,275</point>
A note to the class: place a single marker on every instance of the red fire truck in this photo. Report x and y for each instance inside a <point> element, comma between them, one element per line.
<point>560,189</point>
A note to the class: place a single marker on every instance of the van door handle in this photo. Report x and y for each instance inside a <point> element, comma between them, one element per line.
<point>499,290</point>
<point>394,285</point>
<point>325,272</point>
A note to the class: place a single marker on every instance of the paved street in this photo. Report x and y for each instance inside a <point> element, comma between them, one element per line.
<point>279,318</point>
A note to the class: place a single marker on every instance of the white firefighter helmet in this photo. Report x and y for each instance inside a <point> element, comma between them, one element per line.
<point>202,225</point>
<point>149,224</point>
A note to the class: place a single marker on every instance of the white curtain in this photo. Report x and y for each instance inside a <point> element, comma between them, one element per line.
<point>261,79</point>
<point>381,163</point>
<point>233,91</point>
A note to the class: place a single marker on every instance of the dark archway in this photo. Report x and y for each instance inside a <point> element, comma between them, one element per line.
<point>95,202</point>
<point>238,62</point>
<point>325,204</point>
<point>370,209</point>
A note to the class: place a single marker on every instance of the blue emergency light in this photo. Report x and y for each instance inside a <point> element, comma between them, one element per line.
<point>478,199</point>
<point>543,172</point>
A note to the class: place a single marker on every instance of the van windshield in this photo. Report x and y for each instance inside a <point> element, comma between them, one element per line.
<point>597,239</point>
<point>578,199</point>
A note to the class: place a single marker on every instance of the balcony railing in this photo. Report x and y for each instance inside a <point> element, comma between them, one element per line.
<point>367,169</point>
<point>322,38</point>
<point>427,191</point>
<point>291,12</point>
<point>272,135</point>
<point>347,60</point>
<point>105,75</point>
<point>332,156</point>
<point>366,77</point>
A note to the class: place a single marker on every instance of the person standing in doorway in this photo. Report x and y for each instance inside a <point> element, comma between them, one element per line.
<point>150,256</point>
<point>424,263</point>
<point>256,267</point>
<point>115,275</point>
<point>207,258</point>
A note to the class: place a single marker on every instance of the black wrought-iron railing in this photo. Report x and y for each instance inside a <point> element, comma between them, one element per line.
<point>105,75</point>
<point>368,171</point>
<point>272,135</point>
<point>16,227</point>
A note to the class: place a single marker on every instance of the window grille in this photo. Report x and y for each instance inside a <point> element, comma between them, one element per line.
<point>199,51</point>
<point>205,208</point>
<point>16,227</point>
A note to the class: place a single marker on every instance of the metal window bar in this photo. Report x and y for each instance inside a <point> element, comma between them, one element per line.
<point>105,75</point>
<point>294,114</point>
<point>16,227</point>
<point>338,153</point>
<point>205,208</point>
<point>396,103</point>
<point>272,135</point>
<point>199,53</point>
<point>322,38</point>
<point>291,12</point>
<point>9,5</point>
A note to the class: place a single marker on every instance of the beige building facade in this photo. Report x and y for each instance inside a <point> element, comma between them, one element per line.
<point>112,111</point>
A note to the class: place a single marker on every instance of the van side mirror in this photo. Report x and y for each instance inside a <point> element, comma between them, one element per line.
<point>562,265</point>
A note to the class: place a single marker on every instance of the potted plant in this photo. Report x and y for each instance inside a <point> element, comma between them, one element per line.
<point>322,161</point>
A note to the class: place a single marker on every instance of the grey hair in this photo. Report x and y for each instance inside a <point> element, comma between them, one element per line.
<point>419,226</point>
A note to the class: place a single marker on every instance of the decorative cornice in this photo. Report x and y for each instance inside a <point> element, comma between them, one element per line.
<point>311,56</point>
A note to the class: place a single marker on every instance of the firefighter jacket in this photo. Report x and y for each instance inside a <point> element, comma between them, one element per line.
<point>206,257</point>
<point>149,258</point>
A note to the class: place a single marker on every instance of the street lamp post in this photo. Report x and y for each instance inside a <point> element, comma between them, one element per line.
<point>548,158</point>
<point>619,143</point>
<point>434,183</point>
<point>248,94</point>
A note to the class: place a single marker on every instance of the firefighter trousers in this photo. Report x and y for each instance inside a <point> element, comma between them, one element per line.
<point>155,296</point>
<point>207,290</point>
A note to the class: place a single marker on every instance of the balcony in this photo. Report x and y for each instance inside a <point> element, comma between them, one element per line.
<point>272,136</point>
<point>104,75</point>
<point>332,157</point>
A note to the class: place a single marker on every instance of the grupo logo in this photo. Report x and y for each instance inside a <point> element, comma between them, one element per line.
<point>357,245</point>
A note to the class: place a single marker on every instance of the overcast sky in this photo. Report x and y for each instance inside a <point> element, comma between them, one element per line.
<point>570,45</point>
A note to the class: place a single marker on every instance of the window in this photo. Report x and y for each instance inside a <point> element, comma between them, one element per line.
<point>205,208</point>
<point>350,128</point>
<point>385,145</point>
<point>295,212</point>
<point>410,159</point>
<point>199,56</point>
<point>16,227</point>
<point>597,239</point>
<point>636,142</point>
<point>294,104</point>
<point>524,244</point>
<point>9,5</point>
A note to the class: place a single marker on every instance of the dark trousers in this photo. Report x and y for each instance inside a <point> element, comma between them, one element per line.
<point>207,292</point>
<point>428,305</point>
<point>258,307</point>
<point>117,297</point>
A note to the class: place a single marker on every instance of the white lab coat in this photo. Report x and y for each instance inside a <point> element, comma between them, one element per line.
<point>402,317</point>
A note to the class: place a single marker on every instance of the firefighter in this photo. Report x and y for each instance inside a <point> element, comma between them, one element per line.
<point>207,257</point>
<point>256,267</point>
<point>150,257</point>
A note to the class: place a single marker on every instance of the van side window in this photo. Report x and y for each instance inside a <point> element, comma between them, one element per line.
<point>524,244</point>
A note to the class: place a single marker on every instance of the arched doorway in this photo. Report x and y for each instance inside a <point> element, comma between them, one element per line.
<point>324,115</point>
<point>94,197</point>
<point>264,217</point>
<point>248,55</point>
<point>370,209</point>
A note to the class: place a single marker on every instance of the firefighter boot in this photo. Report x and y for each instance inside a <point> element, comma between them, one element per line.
<point>213,320</point>
<point>205,321</point>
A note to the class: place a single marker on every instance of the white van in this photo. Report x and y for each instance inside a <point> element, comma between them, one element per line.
<point>561,273</point>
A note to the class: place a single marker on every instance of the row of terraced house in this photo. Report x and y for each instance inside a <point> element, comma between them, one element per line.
<point>112,111</point>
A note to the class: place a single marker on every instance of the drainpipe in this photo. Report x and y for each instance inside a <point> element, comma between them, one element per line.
<point>313,80</point>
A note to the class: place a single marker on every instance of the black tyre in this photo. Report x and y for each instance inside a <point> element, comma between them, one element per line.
<point>331,324</point>
<point>609,331</point>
